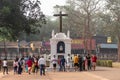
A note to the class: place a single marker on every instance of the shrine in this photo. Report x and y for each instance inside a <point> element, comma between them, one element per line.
<point>60,43</point>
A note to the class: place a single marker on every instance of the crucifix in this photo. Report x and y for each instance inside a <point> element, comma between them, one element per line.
<point>60,15</point>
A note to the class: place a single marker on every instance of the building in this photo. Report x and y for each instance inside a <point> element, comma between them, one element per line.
<point>78,46</point>
<point>108,51</point>
<point>22,48</point>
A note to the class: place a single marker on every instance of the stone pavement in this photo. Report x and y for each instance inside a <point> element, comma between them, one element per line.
<point>101,73</point>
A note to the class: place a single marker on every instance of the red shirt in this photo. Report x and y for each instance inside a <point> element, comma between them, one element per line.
<point>29,63</point>
<point>94,59</point>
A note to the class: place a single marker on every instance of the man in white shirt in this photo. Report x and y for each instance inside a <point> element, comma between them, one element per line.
<point>42,64</point>
<point>54,62</point>
<point>68,59</point>
<point>5,67</point>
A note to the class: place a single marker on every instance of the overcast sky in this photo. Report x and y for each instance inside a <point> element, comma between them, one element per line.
<point>47,6</point>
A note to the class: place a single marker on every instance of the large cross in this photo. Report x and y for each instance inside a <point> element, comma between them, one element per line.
<point>60,15</point>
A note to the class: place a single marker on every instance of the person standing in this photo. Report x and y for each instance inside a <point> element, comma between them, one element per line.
<point>88,57</point>
<point>68,59</point>
<point>42,64</point>
<point>94,60</point>
<point>5,66</point>
<point>20,65</point>
<point>26,66</point>
<point>75,60</point>
<point>60,67</point>
<point>15,66</point>
<point>84,63</point>
<point>80,61</point>
<point>29,64</point>
<point>62,64</point>
<point>36,65</point>
<point>54,62</point>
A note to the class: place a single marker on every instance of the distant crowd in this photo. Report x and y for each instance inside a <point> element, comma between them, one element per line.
<point>78,63</point>
<point>38,64</point>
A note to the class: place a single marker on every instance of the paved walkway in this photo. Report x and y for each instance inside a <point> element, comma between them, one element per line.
<point>102,73</point>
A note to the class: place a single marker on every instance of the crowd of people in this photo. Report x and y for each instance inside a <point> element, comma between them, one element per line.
<point>34,64</point>
<point>78,63</point>
<point>26,64</point>
<point>85,63</point>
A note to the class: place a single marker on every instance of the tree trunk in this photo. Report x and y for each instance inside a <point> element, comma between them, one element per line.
<point>119,49</point>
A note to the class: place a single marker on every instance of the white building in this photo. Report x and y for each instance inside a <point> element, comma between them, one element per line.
<point>60,45</point>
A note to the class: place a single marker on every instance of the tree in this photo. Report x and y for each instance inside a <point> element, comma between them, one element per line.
<point>20,16</point>
<point>31,9</point>
<point>113,7</point>
<point>82,15</point>
<point>71,22</point>
<point>46,31</point>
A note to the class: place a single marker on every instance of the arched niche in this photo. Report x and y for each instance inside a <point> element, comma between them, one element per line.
<point>60,47</point>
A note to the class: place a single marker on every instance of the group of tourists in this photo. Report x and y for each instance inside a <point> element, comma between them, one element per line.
<point>78,63</point>
<point>84,63</point>
<point>30,65</point>
<point>33,64</point>
<point>26,64</point>
<point>63,63</point>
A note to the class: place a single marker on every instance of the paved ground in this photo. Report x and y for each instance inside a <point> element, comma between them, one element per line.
<point>24,76</point>
<point>102,73</point>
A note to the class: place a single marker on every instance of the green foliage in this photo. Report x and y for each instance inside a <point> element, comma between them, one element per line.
<point>105,63</point>
<point>5,10</point>
<point>14,18</point>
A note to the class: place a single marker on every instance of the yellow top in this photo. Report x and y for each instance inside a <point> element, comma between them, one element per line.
<point>75,60</point>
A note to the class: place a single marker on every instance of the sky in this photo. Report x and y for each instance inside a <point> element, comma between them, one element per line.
<point>47,6</point>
